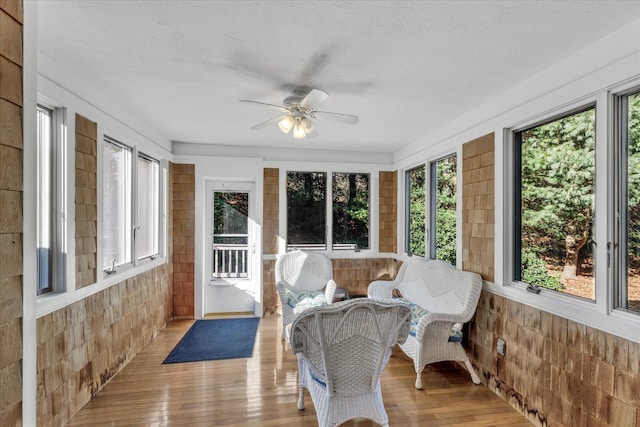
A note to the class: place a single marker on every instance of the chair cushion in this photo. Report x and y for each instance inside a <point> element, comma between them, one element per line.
<point>416,314</point>
<point>304,299</point>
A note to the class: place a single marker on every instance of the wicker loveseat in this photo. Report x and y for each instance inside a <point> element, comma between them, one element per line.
<point>442,299</point>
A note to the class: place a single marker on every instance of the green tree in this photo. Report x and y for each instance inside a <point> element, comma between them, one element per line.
<point>633,184</point>
<point>558,166</point>
<point>446,209</point>
<point>417,210</point>
<point>351,209</point>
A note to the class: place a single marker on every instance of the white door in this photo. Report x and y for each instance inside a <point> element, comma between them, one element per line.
<point>231,259</point>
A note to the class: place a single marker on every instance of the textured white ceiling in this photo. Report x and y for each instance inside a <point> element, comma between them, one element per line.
<point>404,67</point>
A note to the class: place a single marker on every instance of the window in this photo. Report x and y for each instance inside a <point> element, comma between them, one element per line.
<point>116,210</point>
<point>306,210</point>
<point>148,207</point>
<point>124,244</point>
<point>49,234</point>
<point>350,211</point>
<point>627,275</point>
<point>415,206</point>
<point>554,204</point>
<point>442,208</point>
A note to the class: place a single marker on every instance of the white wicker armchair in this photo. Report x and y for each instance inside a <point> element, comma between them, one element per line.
<point>441,298</point>
<point>342,349</point>
<point>303,279</point>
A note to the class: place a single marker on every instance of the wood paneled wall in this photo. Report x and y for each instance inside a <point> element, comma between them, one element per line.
<point>11,231</point>
<point>388,210</point>
<point>82,346</point>
<point>555,371</point>
<point>86,201</point>
<point>182,183</point>
<point>478,206</point>
<point>271,217</point>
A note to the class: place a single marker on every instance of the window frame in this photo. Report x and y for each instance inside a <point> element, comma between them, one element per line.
<point>407,210</point>
<point>155,215</point>
<point>134,221</point>
<point>355,246</point>
<point>58,199</point>
<point>329,244</point>
<point>617,246</point>
<point>431,206</point>
<point>515,169</point>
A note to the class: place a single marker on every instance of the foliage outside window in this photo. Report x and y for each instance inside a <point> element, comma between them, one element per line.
<point>306,210</point>
<point>629,281</point>
<point>148,206</point>
<point>116,210</point>
<point>350,211</point>
<point>442,239</point>
<point>554,171</point>
<point>416,207</point>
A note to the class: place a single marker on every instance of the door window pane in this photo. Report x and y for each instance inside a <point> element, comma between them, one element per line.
<point>230,234</point>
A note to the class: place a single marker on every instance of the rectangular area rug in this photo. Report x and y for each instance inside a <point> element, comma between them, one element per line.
<point>216,339</point>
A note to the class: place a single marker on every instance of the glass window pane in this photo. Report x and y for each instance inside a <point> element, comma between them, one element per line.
<point>350,211</point>
<point>416,205</point>
<point>45,214</point>
<point>148,206</point>
<point>306,210</point>
<point>116,211</point>
<point>443,209</point>
<point>556,204</point>
<point>230,234</point>
<point>631,294</point>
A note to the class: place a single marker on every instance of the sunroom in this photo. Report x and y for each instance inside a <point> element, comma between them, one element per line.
<point>158,158</point>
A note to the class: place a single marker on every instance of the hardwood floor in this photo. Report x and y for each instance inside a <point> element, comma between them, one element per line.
<point>262,391</point>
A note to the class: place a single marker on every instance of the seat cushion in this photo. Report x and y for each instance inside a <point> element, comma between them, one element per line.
<point>416,314</point>
<point>304,299</point>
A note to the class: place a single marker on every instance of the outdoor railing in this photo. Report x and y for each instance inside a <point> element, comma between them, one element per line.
<point>230,261</point>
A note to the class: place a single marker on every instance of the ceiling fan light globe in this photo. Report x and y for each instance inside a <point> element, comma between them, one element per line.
<point>298,132</point>
<point>286,124</point>
<point>307,125</point>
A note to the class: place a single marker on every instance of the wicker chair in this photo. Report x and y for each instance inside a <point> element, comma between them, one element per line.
<point>342,349</point>
<point>303,279</point>
<point>441,298</point>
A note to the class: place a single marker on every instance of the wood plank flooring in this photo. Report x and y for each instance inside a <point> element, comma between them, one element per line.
<point>262,391</point>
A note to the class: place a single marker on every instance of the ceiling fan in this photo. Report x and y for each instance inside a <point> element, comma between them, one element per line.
<point>297,111</point>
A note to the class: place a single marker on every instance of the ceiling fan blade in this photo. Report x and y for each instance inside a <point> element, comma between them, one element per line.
<point>313,98</point>
<point>267,123</point>
<point>277,107</point>
<point>337,117</point>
